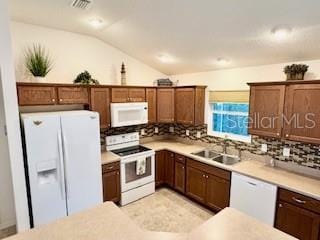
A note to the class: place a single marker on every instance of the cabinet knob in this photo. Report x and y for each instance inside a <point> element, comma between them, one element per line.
<point>53,100</point>
<point>278,134</point>
<point>280,205</point>
<point>117,173</point>
<point>203,175</point>
<point>207,176</point>
<point>60,100</point>
<point>182,167</point>
<point>287,135</point>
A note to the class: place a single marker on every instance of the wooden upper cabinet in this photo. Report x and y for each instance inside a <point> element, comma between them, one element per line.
<point>266,110</point>
<point>302,111</point>
<point>73,95</point>
<point>190,105</point>
<point>151,97</point>
<point>185,100</point>
<point>137,94</point>
<point>100,102</point>
<point>165,105</point>
<point>122,94</point>
<point>36,95</point>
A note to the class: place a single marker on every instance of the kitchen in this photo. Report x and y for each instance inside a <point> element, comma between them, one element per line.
<point>161,150</point>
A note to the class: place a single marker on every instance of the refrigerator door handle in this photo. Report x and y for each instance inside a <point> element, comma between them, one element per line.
<point>61,163</point>
<point>65,157</point>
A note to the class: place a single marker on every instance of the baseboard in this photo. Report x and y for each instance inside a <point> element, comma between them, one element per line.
<point>7,224</point>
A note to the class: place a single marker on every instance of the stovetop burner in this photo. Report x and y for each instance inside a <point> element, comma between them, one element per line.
<point>130,150</point>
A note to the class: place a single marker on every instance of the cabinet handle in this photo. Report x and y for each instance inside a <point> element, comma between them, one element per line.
<point>117,173</point>
<point>182,167</point>
<point>278,134</point>
<point>287,135</point>
<point>280,205</point>
<point>60,100</point>
<point>298,200</point>
<point>203,175</point>
<point>109,168</point>
<point>207,176</point>
<point>53,100</point>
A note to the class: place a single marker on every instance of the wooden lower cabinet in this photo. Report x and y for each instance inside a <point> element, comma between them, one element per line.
<point>111,182</point>
<point>160,168</point>
<point>180,176</point>
<point>169,168</point>
<point>298,215</point>
<point>207,188</point>
<point>298,222</point>
<point>217,192</point>
<point>196,184</point>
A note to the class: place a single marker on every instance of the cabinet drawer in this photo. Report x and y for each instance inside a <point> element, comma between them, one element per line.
<point>299,200</point>
<point>180,158</point>
<point>210,169</point>
<point>111,167</point>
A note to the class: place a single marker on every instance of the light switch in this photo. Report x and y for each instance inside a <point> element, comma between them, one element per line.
<point>187,132</point>
<point>264,147</point>
<point>171,129</point>
<point>286,152</point>
<point>198,134</point>
<point>156,130</point>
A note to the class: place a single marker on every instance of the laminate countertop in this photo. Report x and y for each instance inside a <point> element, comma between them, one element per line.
<point>305,185</point>
<point>107,221</point>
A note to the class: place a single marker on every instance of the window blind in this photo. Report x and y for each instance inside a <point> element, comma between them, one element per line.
<point>229,96</point>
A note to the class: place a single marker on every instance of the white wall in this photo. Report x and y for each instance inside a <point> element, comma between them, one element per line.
<point>237,78</point>
<point>73,53</point>
<point>9,115</point>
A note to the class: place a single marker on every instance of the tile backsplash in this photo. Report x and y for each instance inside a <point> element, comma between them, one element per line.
<point>306,155</point>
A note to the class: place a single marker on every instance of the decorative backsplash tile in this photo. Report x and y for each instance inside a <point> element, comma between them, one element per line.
<point>307,155</point>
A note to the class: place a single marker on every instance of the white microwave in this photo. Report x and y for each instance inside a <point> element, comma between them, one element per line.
<point>127,114</point>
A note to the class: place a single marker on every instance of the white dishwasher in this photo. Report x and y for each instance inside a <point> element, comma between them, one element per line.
<point>253,197</point>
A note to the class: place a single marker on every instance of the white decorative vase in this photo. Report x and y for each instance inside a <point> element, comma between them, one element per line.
<point>39,79</point>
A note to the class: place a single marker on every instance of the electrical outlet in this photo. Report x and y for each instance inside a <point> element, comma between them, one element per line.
<point>286,152</point>
<point>156,130</point>
<point>198,134</point>
<point>264,147</point>
<point>171,129</point>
<point>187,132</point>
<point>143,132</point>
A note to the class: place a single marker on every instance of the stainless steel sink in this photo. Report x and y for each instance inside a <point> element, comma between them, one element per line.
<point>207,154</point>
<point>227,159</point>
<point>218,157</point>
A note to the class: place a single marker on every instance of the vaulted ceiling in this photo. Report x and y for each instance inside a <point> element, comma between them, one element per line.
<point>183,36</point>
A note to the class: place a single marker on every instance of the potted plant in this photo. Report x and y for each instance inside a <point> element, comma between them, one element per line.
<point>296,71</point>
<point>85,78</point>
<point>38,62</point>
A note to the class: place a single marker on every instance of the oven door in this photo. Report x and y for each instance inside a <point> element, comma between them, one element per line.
<point>129,177</point>
<point>127,114</point>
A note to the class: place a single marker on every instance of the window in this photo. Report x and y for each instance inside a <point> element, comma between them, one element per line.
<point>229,120</point>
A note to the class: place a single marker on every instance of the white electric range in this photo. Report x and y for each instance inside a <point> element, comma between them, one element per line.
<point>134,185</point>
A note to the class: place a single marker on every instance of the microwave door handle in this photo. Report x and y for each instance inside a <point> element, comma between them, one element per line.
<point>61,164</point>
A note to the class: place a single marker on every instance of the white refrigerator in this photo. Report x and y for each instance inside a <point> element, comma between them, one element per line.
<point>63,163</point>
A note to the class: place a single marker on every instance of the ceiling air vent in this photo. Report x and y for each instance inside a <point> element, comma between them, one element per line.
<point>81,4</point>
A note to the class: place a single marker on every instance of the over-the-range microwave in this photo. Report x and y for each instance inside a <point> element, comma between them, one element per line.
<point>127,114</point>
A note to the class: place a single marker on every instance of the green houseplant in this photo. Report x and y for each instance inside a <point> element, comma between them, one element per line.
<point>296,71</point>
<point>85,78</point>
<point>38,62</point>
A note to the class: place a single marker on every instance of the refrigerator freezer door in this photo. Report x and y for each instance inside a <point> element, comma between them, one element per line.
<point>45,169</point>
<point>82,155</point>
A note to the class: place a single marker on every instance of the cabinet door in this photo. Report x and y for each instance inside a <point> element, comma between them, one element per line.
<point>300,223</point>
<point>184,105</point>
<point>73,95</point>
<point>100,102</point>
<point>217,192</point>
<point>119,95</point>
<point>33,95</point>
<point>180,177</point>
<point>200,99</point>
<point>151,96</point>
<point>266,109</point>
<point>302,109</point>
<point>196,184</point>
<point>111,186</point>
<point>165,105</point>
<point>137,94</point>
<point>169,170</point>
<point>160,168</point>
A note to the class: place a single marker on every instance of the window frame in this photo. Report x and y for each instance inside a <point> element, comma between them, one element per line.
<point>231,136</point>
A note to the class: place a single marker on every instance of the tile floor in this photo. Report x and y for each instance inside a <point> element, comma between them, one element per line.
<point>167,211</point>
